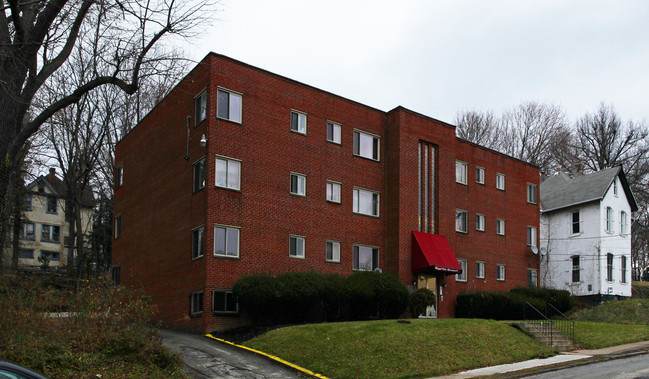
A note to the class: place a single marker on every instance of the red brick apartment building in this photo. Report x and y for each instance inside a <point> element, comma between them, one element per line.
<point>241,171</point>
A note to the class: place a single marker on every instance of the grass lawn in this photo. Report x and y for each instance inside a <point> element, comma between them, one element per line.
<point>612,323</point>
<point>632,311</point>
<point>595,335</point>
<point>392,349</point>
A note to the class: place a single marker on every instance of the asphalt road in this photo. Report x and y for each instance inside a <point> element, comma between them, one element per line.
<point>205,358</point>
<point>635,367</point>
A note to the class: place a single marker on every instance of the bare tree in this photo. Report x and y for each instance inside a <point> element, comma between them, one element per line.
<point>36,41</point>
<point>603,141</point>
<point>534,132</point>
<point>478,127</point>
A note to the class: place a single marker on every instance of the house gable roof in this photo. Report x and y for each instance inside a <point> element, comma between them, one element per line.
<point>57,187</point>
<point>561,191</point>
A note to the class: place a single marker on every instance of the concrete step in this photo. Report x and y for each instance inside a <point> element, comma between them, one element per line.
<point>559,341</point>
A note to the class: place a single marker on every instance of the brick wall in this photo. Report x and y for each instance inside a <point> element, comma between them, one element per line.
<point>159,210</point>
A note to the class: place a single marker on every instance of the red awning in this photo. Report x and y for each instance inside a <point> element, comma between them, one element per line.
<point>431,252</point>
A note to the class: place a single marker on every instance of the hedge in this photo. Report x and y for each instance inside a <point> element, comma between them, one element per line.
<point>510,305</point>
<point>296,297</point>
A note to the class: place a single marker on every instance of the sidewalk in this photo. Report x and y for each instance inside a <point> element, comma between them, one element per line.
<point>572,356</point>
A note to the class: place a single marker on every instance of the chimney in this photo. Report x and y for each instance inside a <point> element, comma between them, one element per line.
<point>52,176</point>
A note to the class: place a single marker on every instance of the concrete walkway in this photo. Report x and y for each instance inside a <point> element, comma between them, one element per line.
<point>205,358</point>
<point>576,355</point>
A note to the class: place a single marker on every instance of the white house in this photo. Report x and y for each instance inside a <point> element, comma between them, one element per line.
<point>586,234</point>
<point>45,230</point>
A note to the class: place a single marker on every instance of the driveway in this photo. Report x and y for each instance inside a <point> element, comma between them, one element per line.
<point>206,358</point>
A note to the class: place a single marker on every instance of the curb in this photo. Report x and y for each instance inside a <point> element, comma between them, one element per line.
<point>271,357</point>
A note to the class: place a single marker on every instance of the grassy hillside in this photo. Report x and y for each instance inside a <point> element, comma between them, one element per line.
<point>104,332</point>
<point>640,290</point>
<point>632,311</point>
<point>399,349</point>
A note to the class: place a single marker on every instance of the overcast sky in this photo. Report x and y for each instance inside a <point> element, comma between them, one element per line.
<point>440,57</point>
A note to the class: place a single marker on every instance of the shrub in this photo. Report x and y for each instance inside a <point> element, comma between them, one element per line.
<point>390,294</point>
<point>335,297</point>
<point>420,300</point>
<point>510,305</point>
<point>376,295</point>
<point>257,295</point>
<point>108,330</point>
<point>297,293</point>
<point>296,297</point>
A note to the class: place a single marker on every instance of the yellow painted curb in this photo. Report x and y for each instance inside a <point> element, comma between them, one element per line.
<point>280,360</point>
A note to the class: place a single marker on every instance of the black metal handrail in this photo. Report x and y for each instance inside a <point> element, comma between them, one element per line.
<point>561,321</point>
<point>542,324</point>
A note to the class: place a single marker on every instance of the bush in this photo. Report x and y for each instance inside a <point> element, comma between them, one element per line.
<point>257,295</point>
<point>295,297</point>
<point>510,305</point>
<point>335,297</point>
<point>376,295</point>
<point>420,300</point>
<point>297,293</point>
<point>108,331</point>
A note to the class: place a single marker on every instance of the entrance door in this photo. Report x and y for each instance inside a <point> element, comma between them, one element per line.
<point>430,283</point>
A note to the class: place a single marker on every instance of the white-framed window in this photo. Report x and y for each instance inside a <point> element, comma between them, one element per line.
<point>366,258</point>
<point>576,269</point>
<point>118,226</point>
<point>199,175</point>
<point>532,233</point>
<point>479,270</point>
<point>461,172</point>
<point>196,304</point>
<point>298,184</point>
<point>609,219</point>
<point>52,204</point>
<point>479,175</point>
<point>609,267</point>
<point>623,269</point>
<point>227,173</point>
<point>333,191</point>
<point>53,256</point>
<point>334,132</point>
<point>226,241</point>
<point>198,236</point>
<point>615,186</point>
<point>461,221</point>
<point>298,122</point>
<point>26,254</point>
<point>500,273</point>
<point>333,251</point>
<point>623,223</point>
<point>223,301</point>
<point>51,233</point>
<point>479,222</point>
<point>200,107</point>
<point>296,246</point>
<point>575,222</point>
<point>461,277</point>
<point>28,231</point>
<point>366,202</point>
<point>532,277</point>
<point>366,145</point>
<point>500,227</point>
<point>532,191</point>
<point>500,181</point>
<point>119,176</point>
<point>228,105</point>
